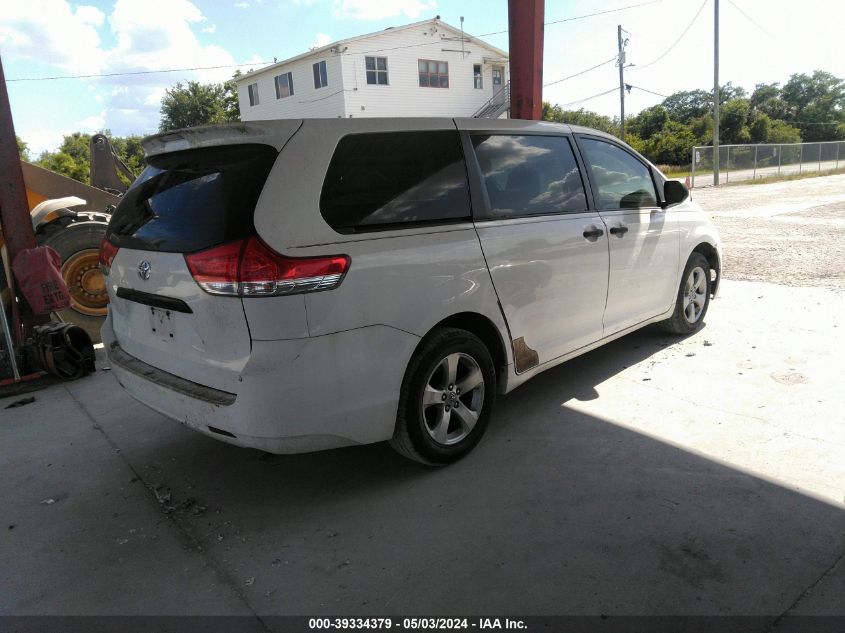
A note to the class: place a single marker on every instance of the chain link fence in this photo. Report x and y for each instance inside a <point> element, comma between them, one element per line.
<point>749,162</point>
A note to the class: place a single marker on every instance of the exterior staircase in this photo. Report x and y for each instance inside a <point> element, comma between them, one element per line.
<point>497,105</point>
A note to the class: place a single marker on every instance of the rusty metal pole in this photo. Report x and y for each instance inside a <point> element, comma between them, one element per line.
<point>14,210</point>
<point>525,32</point>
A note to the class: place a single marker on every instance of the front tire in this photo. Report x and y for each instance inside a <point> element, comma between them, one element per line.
<point>446,399</point>
<point>693,298</point>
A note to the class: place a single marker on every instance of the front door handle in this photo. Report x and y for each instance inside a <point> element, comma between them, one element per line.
<point>592,233</point>
<point>619,230</point>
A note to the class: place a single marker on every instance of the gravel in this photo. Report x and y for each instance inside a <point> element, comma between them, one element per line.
<point>790,233</point>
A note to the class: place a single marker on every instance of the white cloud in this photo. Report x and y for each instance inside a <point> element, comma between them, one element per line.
<point>242,5</point>
<point>51,32</point>
<point>91,124</point>
<point>211,28</point>
<point>321,40</point>
<point>379,9</point>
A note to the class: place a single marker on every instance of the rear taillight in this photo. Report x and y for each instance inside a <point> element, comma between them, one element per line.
<point>250,268</point>
<point>107,254</point>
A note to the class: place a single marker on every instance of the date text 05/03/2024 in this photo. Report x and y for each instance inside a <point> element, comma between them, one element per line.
<point>434,624</point>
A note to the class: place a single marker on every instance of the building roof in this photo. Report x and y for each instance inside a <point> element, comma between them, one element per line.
<point>328,47</point>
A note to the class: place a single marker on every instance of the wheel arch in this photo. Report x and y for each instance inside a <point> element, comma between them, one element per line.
<point>712,256</point>
<point>483,328</point>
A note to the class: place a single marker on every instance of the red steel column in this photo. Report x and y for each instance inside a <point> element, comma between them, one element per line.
<point>525,29</point>
<point>14,209</point>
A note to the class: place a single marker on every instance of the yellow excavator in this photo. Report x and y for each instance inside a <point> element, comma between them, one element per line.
<point>71,217</point>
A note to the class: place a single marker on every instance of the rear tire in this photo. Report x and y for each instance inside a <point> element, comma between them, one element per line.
<point>446,399</point>
<point>693,298</point>
<point>78,244</point>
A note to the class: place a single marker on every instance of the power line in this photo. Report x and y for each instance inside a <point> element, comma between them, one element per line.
<point>581,17</point>
<point>591,15</point>
<point>600,94</point>
<point>263,63</point>
<point>136,72</point>
<point>750,19</point>
<point>578,74</point>
<point>629,86</point>
<point>677,41</point>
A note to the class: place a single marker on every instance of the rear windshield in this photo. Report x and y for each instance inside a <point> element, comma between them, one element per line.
<point>394,180</point>
<point>192,200</point>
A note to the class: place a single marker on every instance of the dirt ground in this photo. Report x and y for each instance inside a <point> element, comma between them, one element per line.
<point>790,233</point>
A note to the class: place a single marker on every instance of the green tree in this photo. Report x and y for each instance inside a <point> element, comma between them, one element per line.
<point>763,92</point>
<point>231,105</point>
<point>72,158</point>
<point>687,105</point>
<point>648,122</point>
<point>733,121</point>
<point>815,105</point>
<point>582,117</point>
<point>195,104</point>
<point>129,150</point>
<point>783,132</point>
<point>672,145</point>
<point>23,148</point>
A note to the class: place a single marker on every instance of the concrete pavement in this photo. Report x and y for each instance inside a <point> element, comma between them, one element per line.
<point>651,476</point>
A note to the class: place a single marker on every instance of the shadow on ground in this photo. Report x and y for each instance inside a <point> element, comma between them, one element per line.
<point>554,512</point>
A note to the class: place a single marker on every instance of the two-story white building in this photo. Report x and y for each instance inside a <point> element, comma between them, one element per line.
<point>425,69</point>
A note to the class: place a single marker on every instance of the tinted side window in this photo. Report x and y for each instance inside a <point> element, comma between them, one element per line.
<point>529,175</point>
<point>393,178</point>
<point>623,182</point>
<point>190,200</point>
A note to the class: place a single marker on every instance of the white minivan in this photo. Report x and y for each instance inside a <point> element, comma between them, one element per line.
<point>299,285</point>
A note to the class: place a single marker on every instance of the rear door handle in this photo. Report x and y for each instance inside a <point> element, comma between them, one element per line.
<point>592,233</point>
<point>619,230</point>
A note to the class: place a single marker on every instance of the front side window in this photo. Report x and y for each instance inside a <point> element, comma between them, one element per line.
<point>478,81</point>
<point>321,78</point>
<point>284,85</point>
<point>433,74</point>
<point>376,70</point>
<point>529,175</point>
<point>623,182</point>
<point>252,89</point>
<point>395,179</point>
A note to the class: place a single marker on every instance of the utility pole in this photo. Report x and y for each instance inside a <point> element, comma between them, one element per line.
<point>716,95</point>
<point>621,62</point>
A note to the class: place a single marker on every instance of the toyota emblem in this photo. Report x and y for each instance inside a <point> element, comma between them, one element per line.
<point>144,269</point>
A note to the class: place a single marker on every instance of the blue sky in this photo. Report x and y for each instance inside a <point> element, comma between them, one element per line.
<point>762,40</point>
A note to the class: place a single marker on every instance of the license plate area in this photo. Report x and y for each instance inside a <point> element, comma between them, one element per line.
<point>161,323</point>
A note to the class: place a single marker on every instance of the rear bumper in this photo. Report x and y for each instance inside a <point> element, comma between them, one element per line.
<point>294,396</point>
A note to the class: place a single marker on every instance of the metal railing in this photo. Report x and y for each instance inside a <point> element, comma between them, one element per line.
<point>766,160</point>
<point>496,105</point>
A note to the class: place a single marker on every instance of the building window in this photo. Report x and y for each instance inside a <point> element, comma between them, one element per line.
<point>434,74</point>
<point>252,89</point>
<point>376,70</point>
<point>497,75</point>
<point>321,79</point>
<point>477,78</point>
<point>284,85</point>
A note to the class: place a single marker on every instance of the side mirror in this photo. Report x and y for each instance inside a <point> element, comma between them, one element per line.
<point>674,192</point>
